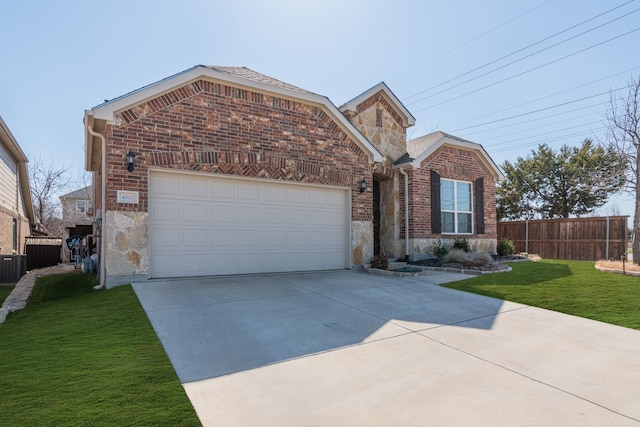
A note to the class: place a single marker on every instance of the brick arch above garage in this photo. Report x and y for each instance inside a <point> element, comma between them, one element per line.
<point>210,127</point>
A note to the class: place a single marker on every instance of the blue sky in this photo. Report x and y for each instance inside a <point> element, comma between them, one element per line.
<point>60,58</point>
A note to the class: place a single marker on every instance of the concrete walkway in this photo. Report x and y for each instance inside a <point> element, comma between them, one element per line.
<point>348,348</point>
<point>17,299</point>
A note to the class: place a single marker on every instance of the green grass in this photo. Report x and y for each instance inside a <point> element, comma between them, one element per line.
<point>5,290</point>
<point>572,287</point>
<point>75,356</point>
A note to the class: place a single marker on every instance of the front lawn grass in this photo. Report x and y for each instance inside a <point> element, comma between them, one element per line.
<point>75,356</point>
<point>5,290</point>
<point>572,287</point>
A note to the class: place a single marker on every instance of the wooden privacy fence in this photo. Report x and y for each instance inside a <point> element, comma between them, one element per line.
<point>587,239</point>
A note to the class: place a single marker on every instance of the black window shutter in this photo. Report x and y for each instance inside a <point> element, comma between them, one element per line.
<point>479,184</point>
<point>436,221</point>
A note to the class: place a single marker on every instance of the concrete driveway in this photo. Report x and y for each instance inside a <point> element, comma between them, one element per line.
<point>355,349</point>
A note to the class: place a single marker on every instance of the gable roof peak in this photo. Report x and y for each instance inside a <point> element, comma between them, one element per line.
<point>249,74</point>
<point>351,105</point>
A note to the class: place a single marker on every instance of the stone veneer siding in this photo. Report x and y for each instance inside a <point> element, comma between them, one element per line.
<point>451,163</point>
<point>377,120</point>
<point>214,128</point>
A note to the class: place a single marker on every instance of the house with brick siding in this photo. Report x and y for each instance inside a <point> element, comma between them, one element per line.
<point>16,207</point>
<point>223,170</point>
<point>77,218</point>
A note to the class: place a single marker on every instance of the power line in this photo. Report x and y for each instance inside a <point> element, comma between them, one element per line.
<point>522,58</point>
<point>551,95</point>
<point>530,70</point>
<point>495,28</point>
<point>539,109</point>
<point>538,119</point>
<point>538,134</point>
<point>514,52</point>
<point>559,138</point>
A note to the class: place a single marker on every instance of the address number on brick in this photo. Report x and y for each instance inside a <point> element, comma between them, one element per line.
<point>128,197</point>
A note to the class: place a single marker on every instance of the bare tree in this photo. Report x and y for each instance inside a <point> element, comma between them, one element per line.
<point>48,181</point>
<point>623,117</point>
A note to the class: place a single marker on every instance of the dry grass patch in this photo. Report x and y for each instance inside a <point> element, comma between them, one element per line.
<point>617,265</point>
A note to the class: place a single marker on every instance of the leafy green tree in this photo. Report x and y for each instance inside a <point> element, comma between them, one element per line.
<point>571,182</point>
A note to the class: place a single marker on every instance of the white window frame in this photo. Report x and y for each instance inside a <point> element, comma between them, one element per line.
<point>86,205</point>
<point>455,210</point>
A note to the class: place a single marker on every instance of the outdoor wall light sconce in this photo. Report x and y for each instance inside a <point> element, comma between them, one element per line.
<point>363,185</point>
<point>130,161</point>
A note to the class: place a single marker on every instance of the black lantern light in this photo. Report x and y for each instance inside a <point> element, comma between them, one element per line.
<point>363,185</point>
<point>130,161</point>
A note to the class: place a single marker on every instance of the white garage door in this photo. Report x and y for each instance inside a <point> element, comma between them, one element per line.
<point>204,225</point>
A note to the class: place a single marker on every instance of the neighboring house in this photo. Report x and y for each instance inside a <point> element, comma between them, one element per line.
<point>77,216</point>
<point>16,207</point>
<point>235,172</point>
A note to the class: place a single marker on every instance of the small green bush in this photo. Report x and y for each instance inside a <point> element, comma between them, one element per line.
<point>505,247</point>
<point>461,244</point>
<point>440,248</point>
<point>380,262</point>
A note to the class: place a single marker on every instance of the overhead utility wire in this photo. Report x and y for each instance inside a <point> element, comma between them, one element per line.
<point>549,96</point>
<point>511,125</point>
<point>535,135</point>
<point>559,138</point>
<point>514,52</point>
<point>495,28</point>
<point>528,71</point>
<point>539,110</point>
<point>522,58</point>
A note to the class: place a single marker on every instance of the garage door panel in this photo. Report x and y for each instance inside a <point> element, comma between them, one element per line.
<point>296,196</point>
<point>167,186</point>
<point>224,214</point>
<point>216,225</point>
<point>168,265</point>
<point>248,192</point>
<point>250,238</point>
<point>248,215</point>
<point>196,263</point>
<point>317,217</point>
<point>275,238</point>
<point>275,194</point>
<point>275,216</point>
<point>166,210</point>
<point>166,237</point>
<point>296,216</point>
<point>195,188</point>
<point>195,212</point>
<point>324,238</point>
<point>223,190</point>
<point>317,198</point>
<point>196,238</point>
<point>223,238</point>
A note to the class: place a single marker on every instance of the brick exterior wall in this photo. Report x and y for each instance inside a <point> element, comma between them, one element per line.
<point>451,163</point>
<point>214,128</point>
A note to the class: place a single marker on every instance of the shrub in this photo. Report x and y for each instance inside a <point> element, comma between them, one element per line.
<point>380,262</point>
<point>456,255</point>
<point>505,247</point>
<point>440,248</point>
<point>478,259</point>
<point>461,244</point>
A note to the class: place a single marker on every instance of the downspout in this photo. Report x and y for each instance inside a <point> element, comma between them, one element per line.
<point>406,212</point>
<point>103,179</point>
